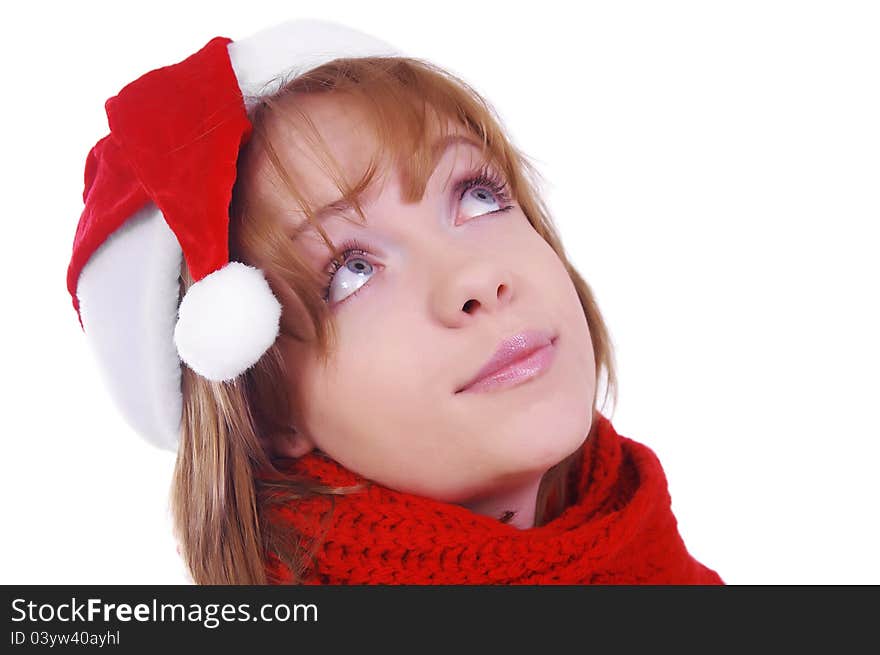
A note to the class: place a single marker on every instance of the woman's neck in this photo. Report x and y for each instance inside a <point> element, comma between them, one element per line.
<point>518,505</point>
<point>520,501</point>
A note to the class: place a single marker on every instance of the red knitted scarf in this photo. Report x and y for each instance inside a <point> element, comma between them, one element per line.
<point>620,530</point>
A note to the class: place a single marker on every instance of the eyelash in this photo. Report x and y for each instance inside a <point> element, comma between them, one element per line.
<point>485,177</point>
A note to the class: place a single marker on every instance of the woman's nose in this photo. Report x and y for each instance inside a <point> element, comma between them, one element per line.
<point>471,288</point>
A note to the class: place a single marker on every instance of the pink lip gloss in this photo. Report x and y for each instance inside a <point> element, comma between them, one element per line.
<point>518,372</point>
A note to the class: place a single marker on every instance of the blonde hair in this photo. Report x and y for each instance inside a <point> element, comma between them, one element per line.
<point>224,479</point>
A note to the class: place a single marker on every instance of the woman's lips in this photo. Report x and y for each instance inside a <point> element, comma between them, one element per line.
<point>517,361</point>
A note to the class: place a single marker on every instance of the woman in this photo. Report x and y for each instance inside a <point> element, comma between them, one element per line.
<point>406,392</point>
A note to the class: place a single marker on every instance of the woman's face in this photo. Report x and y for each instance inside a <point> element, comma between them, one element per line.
<point>439,285</point>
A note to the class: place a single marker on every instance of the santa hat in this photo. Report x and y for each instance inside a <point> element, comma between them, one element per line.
<point>157,189</point>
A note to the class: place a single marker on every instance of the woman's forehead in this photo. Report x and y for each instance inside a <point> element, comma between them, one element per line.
<point>321,135</point>
<point>450,152</point>
<point>315,168</point>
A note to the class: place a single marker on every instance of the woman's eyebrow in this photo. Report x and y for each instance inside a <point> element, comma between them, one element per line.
<point>342,205</point>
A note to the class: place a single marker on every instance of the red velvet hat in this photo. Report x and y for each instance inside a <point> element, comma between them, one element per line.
<point>157,190</point>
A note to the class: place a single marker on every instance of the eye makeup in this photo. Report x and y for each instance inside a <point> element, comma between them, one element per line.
<point>484,177</point>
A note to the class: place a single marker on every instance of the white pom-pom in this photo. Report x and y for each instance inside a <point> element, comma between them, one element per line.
<point>226,321</point>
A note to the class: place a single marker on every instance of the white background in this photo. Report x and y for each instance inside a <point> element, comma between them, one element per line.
<point>714,170</point>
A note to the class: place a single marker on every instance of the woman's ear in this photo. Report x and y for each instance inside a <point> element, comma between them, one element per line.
<point>288,444</point>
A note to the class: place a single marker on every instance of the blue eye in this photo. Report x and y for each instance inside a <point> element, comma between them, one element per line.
<point>352,269</point>
<point>482,191</point>
<point>481,199</point>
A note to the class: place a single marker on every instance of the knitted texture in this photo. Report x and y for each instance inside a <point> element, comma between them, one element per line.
<point>620,530</point>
